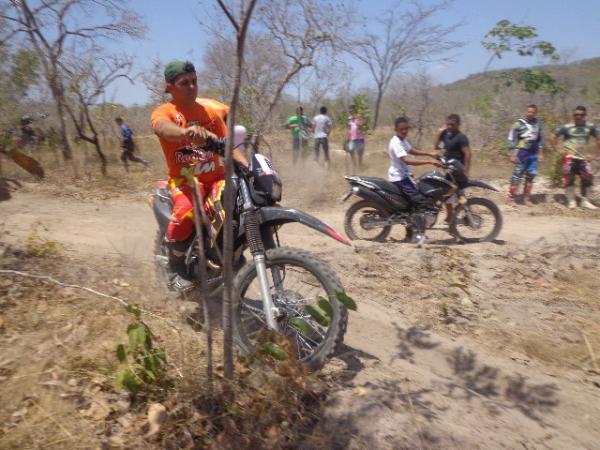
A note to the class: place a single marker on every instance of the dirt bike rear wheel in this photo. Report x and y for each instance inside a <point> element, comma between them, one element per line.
<point>480,211</point>
<point>306,279</point>
<point>363,210</point>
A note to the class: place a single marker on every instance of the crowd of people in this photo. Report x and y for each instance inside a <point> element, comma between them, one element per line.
<point>573,141</point>
<point>320,127</point>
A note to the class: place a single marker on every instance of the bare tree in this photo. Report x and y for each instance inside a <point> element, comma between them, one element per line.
<point>290,37</point>
<point>154,81</point>
<point>89,75</point>
<point>240,21</point>
<point>403,36</point>
<point>414,98</point>
<point>306,30</point>
<point>52,25</point>
<point>261,67</point>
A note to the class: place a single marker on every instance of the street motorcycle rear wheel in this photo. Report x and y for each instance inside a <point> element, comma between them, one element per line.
<point>359,215</point>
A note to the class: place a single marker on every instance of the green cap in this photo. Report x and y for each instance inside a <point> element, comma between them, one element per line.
<point>176,68</point>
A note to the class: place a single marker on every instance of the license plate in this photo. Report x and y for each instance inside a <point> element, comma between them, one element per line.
<point>346,196</point>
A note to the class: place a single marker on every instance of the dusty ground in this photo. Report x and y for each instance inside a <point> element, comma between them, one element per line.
<point>454,346</point>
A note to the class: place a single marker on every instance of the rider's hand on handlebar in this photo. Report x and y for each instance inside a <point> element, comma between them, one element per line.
<point>199,135</point>
<point>437,164</point>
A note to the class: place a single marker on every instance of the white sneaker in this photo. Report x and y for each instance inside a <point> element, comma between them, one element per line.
<point>570,194</point>
<point>585,203</point>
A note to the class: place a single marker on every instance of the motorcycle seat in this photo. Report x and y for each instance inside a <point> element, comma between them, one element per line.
<point>383,184</point>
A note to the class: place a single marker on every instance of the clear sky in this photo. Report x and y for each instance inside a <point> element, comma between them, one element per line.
<point>174,32</point>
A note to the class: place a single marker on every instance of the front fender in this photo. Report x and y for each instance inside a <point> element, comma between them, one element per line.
<point>274,216</point>
<point>481,184</point>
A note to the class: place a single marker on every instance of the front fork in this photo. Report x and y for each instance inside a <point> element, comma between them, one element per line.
<point>257,248</point>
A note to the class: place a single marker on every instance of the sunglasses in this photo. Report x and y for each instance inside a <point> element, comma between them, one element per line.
<point>579,115</point>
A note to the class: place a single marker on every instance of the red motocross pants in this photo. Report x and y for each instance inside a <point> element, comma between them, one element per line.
<point>576,166</point>
<point>182,218</point>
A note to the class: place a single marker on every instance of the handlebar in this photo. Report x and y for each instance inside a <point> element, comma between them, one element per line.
<point>216,145</point>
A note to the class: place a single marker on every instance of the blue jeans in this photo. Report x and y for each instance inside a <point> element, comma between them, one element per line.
<point>526,165</point>
<point>324,142</point>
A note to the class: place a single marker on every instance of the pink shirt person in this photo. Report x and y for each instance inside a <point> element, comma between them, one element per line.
<point>356,133</point>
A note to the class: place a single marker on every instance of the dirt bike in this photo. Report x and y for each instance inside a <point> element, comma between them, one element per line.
<point>383,205</point>
<point>280,288</point>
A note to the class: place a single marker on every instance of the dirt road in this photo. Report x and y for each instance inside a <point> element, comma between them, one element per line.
<point>453,346</point>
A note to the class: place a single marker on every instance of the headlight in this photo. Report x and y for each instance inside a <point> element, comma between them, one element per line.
<point>276,192</point>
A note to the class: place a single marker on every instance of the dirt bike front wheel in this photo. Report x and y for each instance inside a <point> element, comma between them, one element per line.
<point>479,220</point>
<point>303,288</point>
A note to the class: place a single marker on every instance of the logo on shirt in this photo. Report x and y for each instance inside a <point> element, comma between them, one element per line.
<point>187,155</point>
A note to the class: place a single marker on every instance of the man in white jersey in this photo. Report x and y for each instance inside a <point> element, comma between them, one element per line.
<point>400,174</point>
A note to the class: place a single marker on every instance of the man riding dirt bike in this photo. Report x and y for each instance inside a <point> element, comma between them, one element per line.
<point>180,125</point>
<point>286,290</point>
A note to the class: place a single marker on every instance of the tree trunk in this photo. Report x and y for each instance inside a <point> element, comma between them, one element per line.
<point>241,29</point>
<point>95,140</point>
<point>101,155</point>
<point>377,105</point>
<point>57,93</point>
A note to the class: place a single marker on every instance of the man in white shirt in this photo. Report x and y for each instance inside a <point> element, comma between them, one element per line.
<point>321,125</point>
<point>400,174</point>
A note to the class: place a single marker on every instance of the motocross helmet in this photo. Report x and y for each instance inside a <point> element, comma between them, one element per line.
<point>266,184</point>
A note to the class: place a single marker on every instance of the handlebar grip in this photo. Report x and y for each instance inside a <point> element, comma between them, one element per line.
<point>216,145</point>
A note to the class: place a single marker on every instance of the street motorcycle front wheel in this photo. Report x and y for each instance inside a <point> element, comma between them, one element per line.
<point>304,291</point>
<point>478,220</point>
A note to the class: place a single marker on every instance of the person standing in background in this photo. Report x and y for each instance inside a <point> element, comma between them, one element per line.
<point>321,126</point>
<point>299,125</point>
<point>525,140</point>
<point>576,157</point>
<point>355,139</point>
<point>456,146</point>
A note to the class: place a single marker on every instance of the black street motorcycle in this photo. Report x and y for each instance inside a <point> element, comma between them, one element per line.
<point>286,290</point>
<point>383,205</point>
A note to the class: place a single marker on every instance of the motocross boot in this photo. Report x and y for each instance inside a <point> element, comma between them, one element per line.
<point>585,203</point>
<point>180,279</point>
<point>570,194</point>
<point>512,192</point>
<point>526,193</point>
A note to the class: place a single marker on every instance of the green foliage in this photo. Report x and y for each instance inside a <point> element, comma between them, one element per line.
<point>40,246</point>
<point>322,313</point>
<point>533,81</point>
<point>143,366</point>
<point>508,37</point>
<point>360,106</point>
<point>299,324</point>
<point>318,315</point>
<point>346,300</point>
<point>273,350</point>
<point>483,105</point>
<point>25,70</point>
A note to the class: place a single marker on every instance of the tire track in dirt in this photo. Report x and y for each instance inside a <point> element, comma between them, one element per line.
<point>410,376</point>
